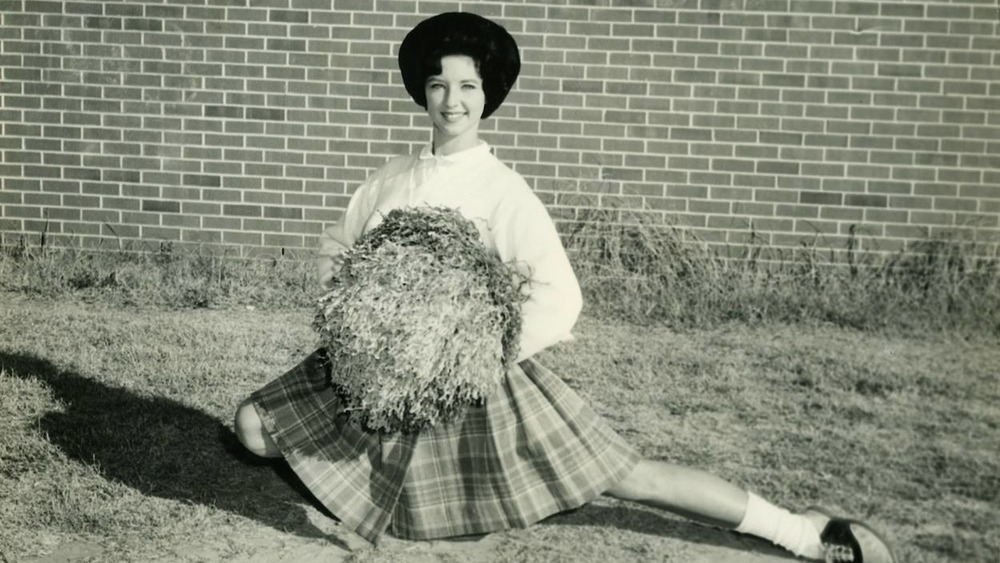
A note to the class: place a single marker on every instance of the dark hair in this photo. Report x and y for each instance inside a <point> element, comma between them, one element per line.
<point>458,33</point>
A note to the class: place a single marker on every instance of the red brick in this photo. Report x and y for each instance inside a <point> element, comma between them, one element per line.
<point>201,236</point>
<point>283,240</point>
<point>337,111</point>
<point>252,239</point>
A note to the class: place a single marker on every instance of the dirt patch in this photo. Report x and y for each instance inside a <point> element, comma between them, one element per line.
<point>70,552</point>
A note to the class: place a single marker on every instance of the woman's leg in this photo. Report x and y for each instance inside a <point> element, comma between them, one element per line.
<point>709,499</point>
<point>689,492</point>
<point>251,433</point>
<point>706,498</point>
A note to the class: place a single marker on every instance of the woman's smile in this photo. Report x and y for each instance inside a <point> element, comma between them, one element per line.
<point>453,115</point>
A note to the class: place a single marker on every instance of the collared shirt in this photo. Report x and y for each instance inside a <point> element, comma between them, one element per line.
<point>510,217</point>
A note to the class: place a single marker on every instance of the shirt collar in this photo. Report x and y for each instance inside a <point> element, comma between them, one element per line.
<point>454,158</point>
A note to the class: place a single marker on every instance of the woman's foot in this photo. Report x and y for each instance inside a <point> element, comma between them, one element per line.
<point>849,541</point>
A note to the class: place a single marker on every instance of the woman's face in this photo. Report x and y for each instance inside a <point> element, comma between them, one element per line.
<point>455,102</point>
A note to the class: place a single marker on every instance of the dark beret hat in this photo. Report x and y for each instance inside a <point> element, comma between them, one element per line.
<point>460,33</point>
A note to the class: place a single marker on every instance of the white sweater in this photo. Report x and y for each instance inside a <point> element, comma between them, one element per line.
<point>510,217</point>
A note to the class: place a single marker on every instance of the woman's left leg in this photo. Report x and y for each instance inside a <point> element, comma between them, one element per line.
<point>709,499</point>
<point>706,498</point>
<point>686,491</point>
<point>250,431</point>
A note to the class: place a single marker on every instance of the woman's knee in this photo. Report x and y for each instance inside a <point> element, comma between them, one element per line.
<point>647,478</point>
<point>637,484</point>
<point>250,431</point>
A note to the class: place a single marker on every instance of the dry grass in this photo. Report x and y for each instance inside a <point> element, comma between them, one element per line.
<point>650,273</point>
<point>157,277</point>
<point>116,435</point>
<point>639,272</point>
<point>870,385</point>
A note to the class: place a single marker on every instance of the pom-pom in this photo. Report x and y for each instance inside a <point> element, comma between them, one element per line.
<point>423,321</point>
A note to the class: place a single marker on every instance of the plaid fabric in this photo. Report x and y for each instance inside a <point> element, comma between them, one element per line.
<point>534,449</point>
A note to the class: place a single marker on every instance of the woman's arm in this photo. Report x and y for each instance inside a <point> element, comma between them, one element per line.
<point>525,234</point>
<point>337,238</point>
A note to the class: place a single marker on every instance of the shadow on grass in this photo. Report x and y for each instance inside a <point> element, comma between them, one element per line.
<point>646,521</point>
<point>162,448</point>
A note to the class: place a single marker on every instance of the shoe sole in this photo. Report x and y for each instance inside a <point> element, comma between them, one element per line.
<point>854,522</point>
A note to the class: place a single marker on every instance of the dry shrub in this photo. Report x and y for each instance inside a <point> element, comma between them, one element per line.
<point>648,272</point>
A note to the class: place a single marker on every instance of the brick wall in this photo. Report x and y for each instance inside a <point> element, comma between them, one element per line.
<point>248,123</point>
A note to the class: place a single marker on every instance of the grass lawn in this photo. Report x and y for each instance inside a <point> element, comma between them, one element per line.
<point>116,444</point>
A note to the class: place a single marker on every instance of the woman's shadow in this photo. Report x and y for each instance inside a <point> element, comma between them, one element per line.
<point>163,448</point>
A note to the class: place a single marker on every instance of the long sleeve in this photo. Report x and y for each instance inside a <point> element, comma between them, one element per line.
<point>525,234</point>
<point>337,238</point>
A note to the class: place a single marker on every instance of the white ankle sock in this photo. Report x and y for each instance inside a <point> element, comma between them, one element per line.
<point>793,532</point>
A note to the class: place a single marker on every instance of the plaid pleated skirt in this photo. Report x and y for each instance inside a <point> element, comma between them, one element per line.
<point>533,449</point>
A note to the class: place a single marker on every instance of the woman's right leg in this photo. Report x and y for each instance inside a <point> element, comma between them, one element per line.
<point>250,431</point>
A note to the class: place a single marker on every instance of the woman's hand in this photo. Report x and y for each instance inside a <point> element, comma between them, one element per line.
<point>328,267</point>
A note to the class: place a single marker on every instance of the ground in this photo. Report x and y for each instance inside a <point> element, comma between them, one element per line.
<point>116,442</point>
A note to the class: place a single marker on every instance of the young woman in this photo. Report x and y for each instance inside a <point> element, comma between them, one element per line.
<point>534,448</point>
